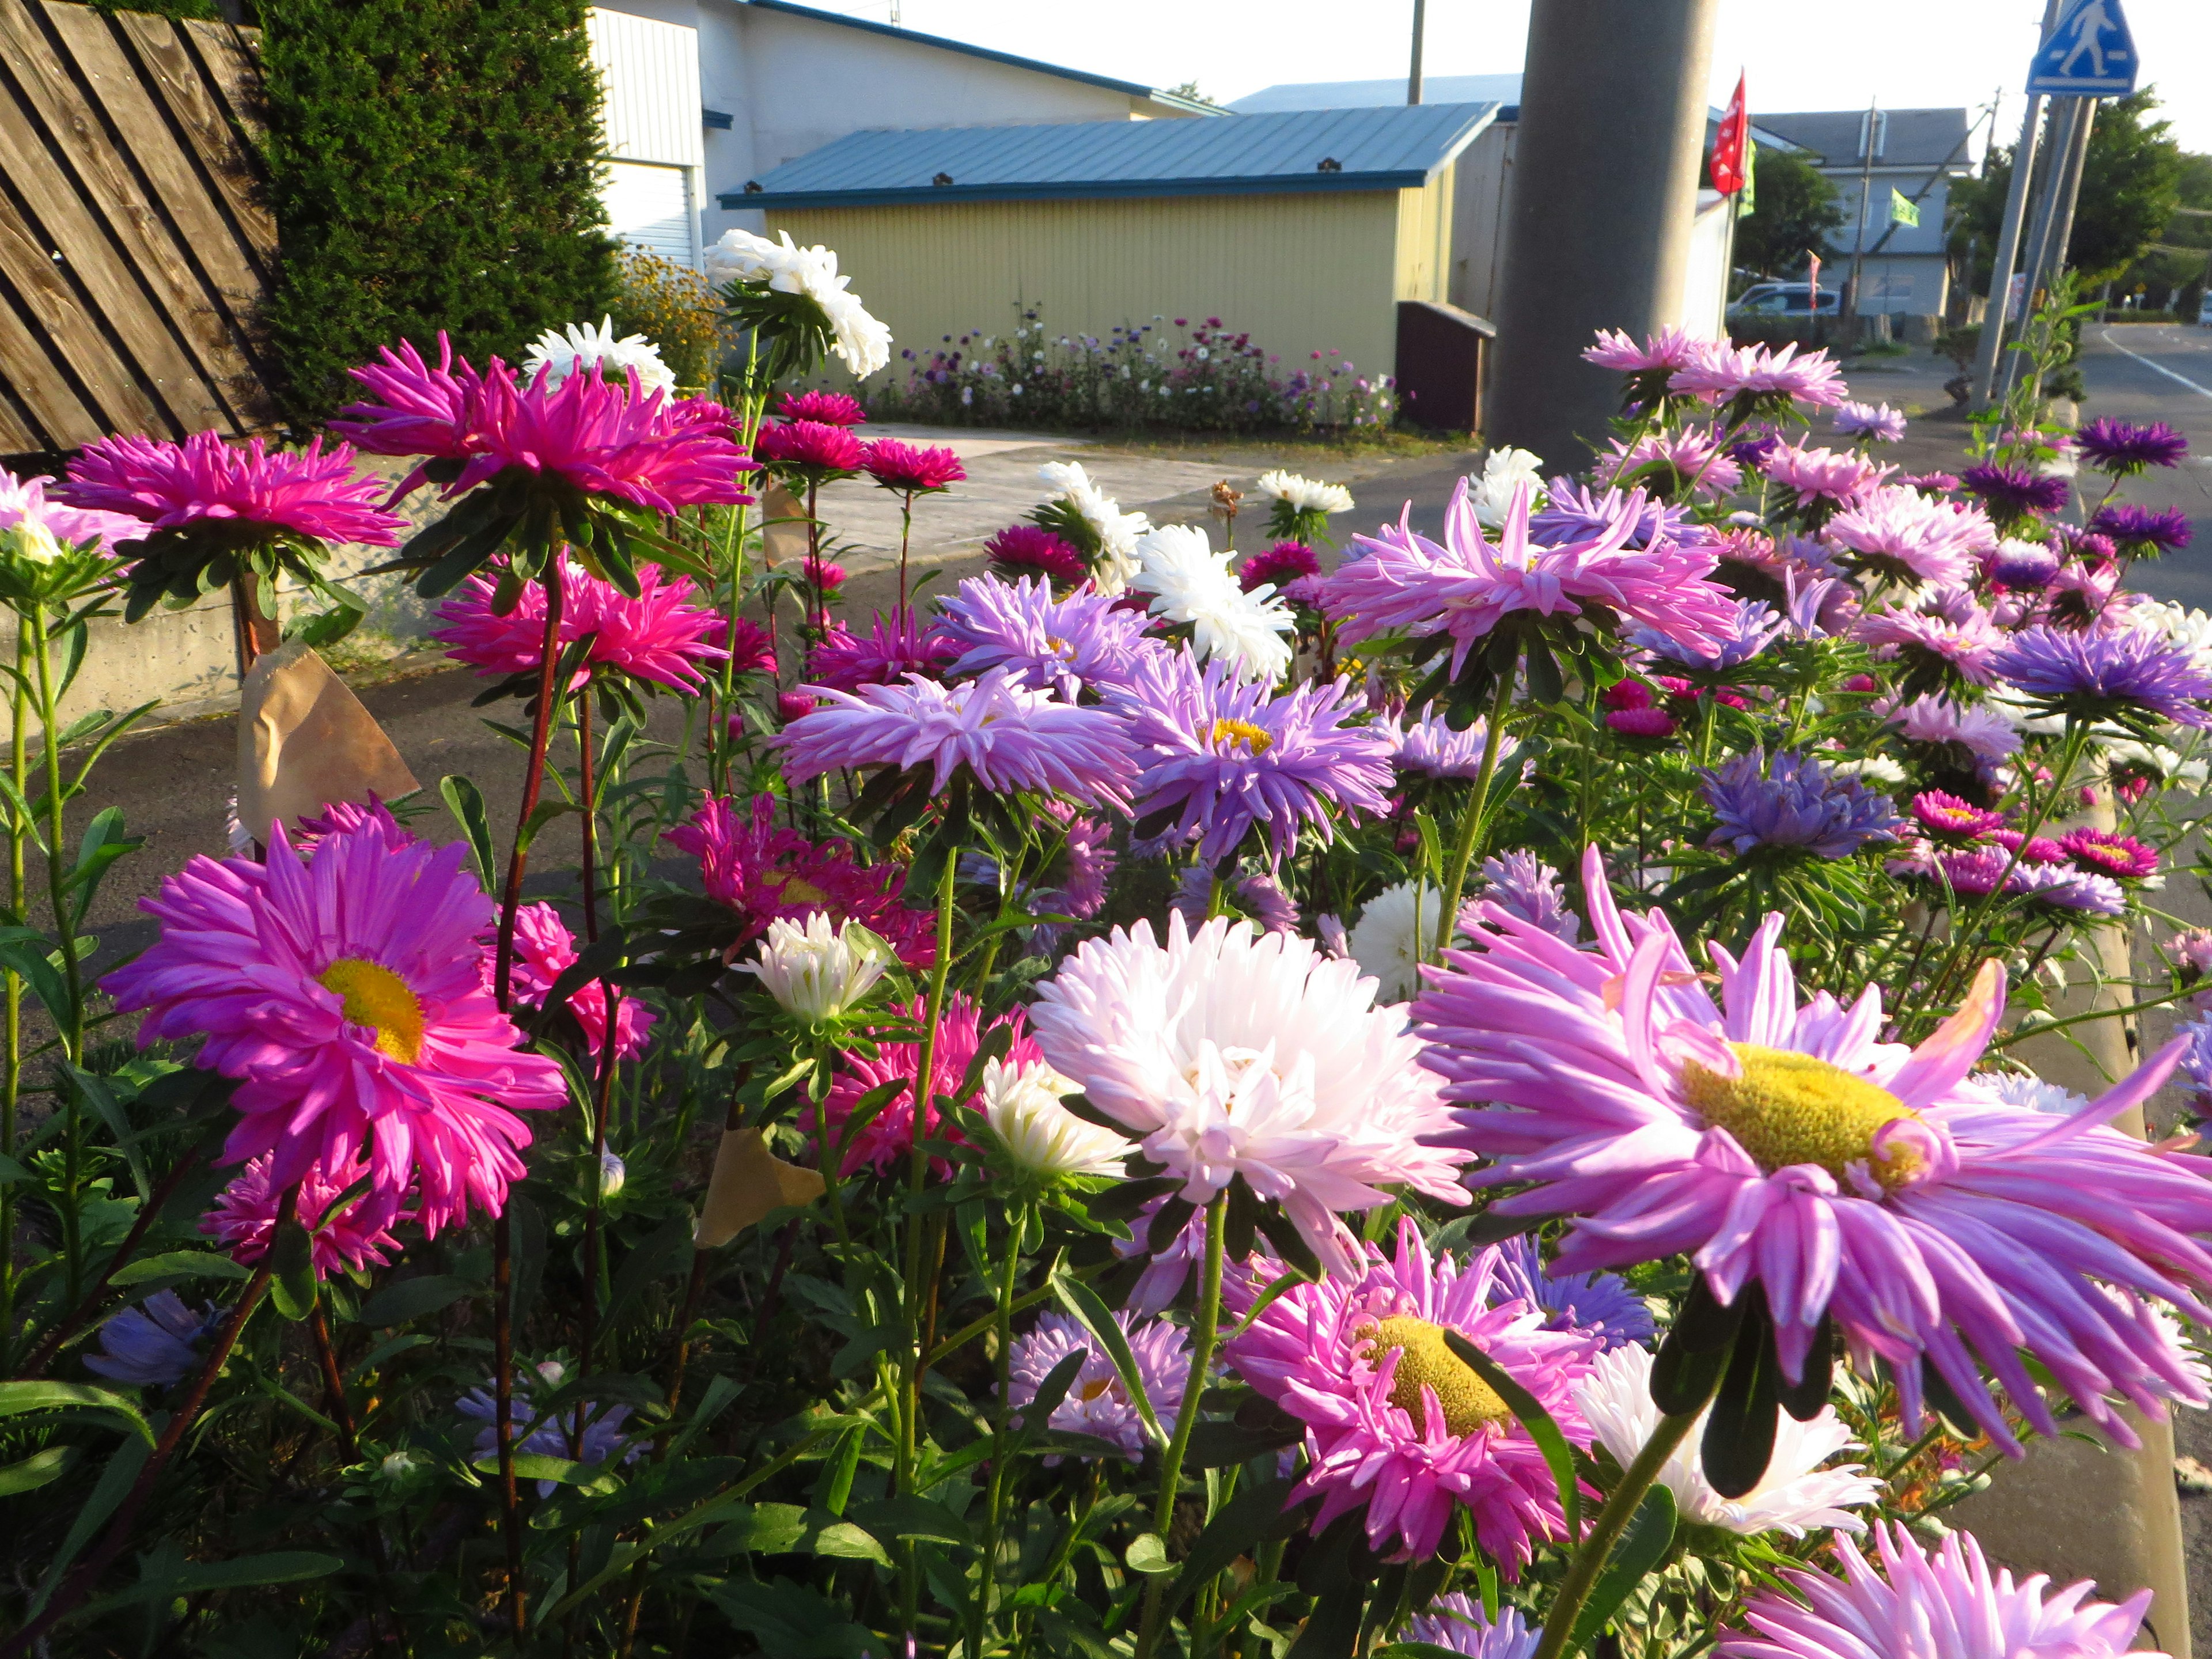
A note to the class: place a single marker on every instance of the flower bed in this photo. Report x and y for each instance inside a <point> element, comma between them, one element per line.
<point>1449,1103</point>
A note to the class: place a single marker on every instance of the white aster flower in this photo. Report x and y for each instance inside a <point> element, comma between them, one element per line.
<point>2180,624</point>
<point>1306,495</point>
<point>814,973</point>
<point>1869,768</point>
<point>613,1173</point>
<point>861,339</point>
<point>1021,1104</point>
<point>2168,763</point>
<point>1117,531</point>
<point>2030,1093</point>
<point>1504,470</point>
<point>1384,941</point>
<point>585,346</point>
<point>1189,583</point>
<point>31,542</point>
<point>1795,1495</point>
<point>1236,1053</point>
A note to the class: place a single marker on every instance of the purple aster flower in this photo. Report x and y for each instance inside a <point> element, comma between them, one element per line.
<point>1431,747</point>
<point>1877,422</point>
<point>1097,1404</point>
<point>1259,899</point>
<point>1599,1303</point>
<point>2012,493</point>
<point>2022,567</point>
<point>2069,890</point>
<point>1574,513</point>
<point>602,1437</point>
<point>1797,802</point>
<point>2140,530</point>
<point>1757,625</point>
<point>155,1343</point>
<point>1061,645</point>
<point>1466,586</point>
<point>1523,886</point>
<point>1752,453</point>
<point>2101,672</point>
<point>1459,1623</point>
<point>893,647</point>
<point>2123,449</point>
<point>2197,1058</point>
<point>1279,566</point>
<point>1008,738</point>
<point>1232,757</point>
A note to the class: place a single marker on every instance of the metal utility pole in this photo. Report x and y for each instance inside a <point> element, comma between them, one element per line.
<point>1604,192</point>
<point>1420,28</point>
<point>2023,164</point>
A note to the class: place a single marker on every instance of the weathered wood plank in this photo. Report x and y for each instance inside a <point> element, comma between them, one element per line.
<point>165,63</point>
<point>27,378</point>
<point>229,56</point>
<point>158,206</point>
<point>59,324</point>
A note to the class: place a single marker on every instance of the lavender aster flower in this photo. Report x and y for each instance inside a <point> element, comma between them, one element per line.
<point>1458,1623</point>
<point>1010,739</point>
<point>893,647</point>
<point>1259,899</point>
<point>1797,803</point>
<point>155,1343</point>
<point>2141,530</point>
<point>2106,672</point>
<point>1597,1302</point>
<point>2123,449</point>
<point>1099,1405</point>
<point>601,1427</point>
<point>2012,493</point>
<point>1229,757</point>
<point>1431,747</point>
<point>2069,890</point>
<point>1756,626</point>
<point>1877,422</point>
<point>1573,513</point>
<point>1045,643</point>
<point>1523,886</point>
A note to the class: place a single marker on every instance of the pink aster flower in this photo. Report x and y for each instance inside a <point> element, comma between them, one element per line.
<point>1941,1600</point>
<point>182,486</point>
<point>1024,549</point>
<point>1238,1052</point>
<point>1465,586</point>
<point>1399,1425</point>
<point>1097,1404</point>
<point>1946,815</point>
<point>23,503</point>
<point>887,1141</point>
<point>544,950</point>
<point>1278,566</point>
<point>1967,649</point>
<point>1903,534</point>
<point>750,645</point>
<point>2108,853</point>
<point>1843,477</point>
<point>346,995</point>
<point>1717,372</point>
<point>825,408</point>
<point>1856,1180</point>
<point>1982,732</point>
<point>911,472</point>
<point>664,635</point>
<point>1687,461</point>
<point>893,647</point>
<point>1008,738</point>
<point>2040,850</point>
<point>1670,349</point>
<point>245,1215</point>
<point>763,874</point>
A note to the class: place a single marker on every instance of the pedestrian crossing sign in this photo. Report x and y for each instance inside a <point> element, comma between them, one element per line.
<point>2090,54</point>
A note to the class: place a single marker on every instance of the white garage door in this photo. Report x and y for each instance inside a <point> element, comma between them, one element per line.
<point>649,207</point>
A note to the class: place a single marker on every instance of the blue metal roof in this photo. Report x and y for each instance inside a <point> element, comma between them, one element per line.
<point>1333,149</point>
<point>1135,89</point>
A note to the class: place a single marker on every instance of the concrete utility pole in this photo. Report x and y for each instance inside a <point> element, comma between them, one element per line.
<point>2023,164</point>
<point>1605,188</point>
<point>2071,119</point>
<point>1867,147</point>
<point>1420,28</point>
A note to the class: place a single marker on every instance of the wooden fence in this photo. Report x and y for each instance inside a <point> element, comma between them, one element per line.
<point>137,245</point>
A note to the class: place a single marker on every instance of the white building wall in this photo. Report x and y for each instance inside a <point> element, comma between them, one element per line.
<point>1905,270</point>
<point>1705,276</point>
<point>650,115</point>
<point>1484,176</point>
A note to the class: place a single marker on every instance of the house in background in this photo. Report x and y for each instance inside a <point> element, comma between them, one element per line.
<point>1915,152</point>
<point>1311,231</point>
<point>704,95</point>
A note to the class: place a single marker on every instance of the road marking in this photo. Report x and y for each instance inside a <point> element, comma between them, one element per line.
<point>2200,390</point>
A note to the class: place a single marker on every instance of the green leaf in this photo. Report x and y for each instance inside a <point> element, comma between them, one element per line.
<point>411,1299</point>
<point>34,1471</point>
<point>292,1259</point>
<point>543,814</point>
<point>11,1171</point>
<point>279,1567</point>
<point>328,627</point>
<point>19,1398</point>
<point>95,1089</point>
<point>1242,1521</point>
<point>1148,1554</point>
<point>911,1517</point>
<point>534,1466</point>
<point>179,1264</point>
<point>1080,1299</point>
<point>466,803</point>
<point>668,1246</point>
<point>1739,1437</point>
<point>41,975</point>
<point>787,1529</point>
<point>1641,1548</point>
<point>1558,1456</point>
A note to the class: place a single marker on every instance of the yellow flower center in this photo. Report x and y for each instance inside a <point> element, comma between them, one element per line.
<point>1092,1390</point>
<point>1255,740</point>
<point>1058,647</point>
<point>793,890</point>
<point>1791,1109</point>
<point>378,998</point>
<point>1468,1402</point>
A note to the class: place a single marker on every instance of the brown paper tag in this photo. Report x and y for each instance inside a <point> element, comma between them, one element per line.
<point>305,741</point>
<point>749,1180</point>
<point>787,540</point>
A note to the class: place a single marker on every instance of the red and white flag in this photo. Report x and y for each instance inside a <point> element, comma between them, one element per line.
<point>1726,166</point>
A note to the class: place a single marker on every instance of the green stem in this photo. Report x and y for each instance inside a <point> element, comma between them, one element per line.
<point>1203,1336</point>
<point>1470,826</point>
<point>57,872</point>
<point>12,1088</point>
<point>1612,1521</point>
<point>987,1577</point>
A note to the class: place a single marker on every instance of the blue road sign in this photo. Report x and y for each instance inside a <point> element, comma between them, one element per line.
<point>2090,54</point>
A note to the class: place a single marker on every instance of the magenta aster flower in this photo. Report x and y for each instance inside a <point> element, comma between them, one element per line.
<point>1842,477</point>
<point>887,1140</point>
<point>910,471</point>
<point>664,635</point>
<point>2123,449</point>
<point>1230,755</point>
<point>1943,1599</point>
<point>346,994</point>
<point>1008,738</point>
<point>749,645</point>
<point>2108,853</point>
<point>1854,1179</point>
<point>893,647</point>
<point>762,874</point>
<point>813,451</point>
<point>2014,493</point>
<point>824,408</point>
<point>1646,721</point>
<point>1466,586</point>
<point>2108,671</point>
<point>544,949</point>
<point>2142,529</point>
<point>23,503</point>
<point>606,439</point>
<point>1062,645</point>
<point>2041,849</point>
<point>205,481</point>
<point>1718,372</point>
<point>244,1217</point>
<point>1901,533</point>
<point>1097,1404</point>
<point>1278,566</point>
<point>1946,815</point>
<point>1399,1425</point>
<point>1875,423</point>
<point>826,576</point>
<point>1458,1622</point>
<point>1021,549</point>
<point>1677,463</point>
<point>418,410</point>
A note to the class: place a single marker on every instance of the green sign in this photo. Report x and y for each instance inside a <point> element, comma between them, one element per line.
<point>1901,211</point>
<point>1743,197</point>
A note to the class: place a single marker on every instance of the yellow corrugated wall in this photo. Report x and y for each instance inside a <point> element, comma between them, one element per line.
<point>1299,273</point>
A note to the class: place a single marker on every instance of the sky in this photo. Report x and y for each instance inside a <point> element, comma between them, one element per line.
<point>1907,53</point>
